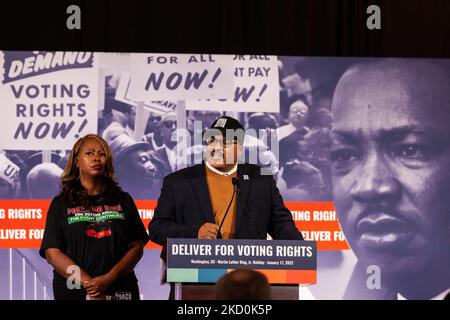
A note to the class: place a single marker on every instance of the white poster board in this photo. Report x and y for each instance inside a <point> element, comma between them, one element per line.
<point>49,99</point>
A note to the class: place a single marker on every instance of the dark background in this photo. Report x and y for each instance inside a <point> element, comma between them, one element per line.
<point>410,28</point>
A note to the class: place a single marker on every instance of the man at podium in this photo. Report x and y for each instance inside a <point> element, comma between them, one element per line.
<point>221,198</point>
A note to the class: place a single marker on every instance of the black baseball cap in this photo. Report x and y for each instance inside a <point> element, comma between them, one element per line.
<point>226,124</point>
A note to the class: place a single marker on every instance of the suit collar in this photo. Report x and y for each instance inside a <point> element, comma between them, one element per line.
<point>201,190</point>
<point>245,180</point>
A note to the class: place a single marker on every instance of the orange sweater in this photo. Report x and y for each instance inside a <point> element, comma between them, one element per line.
<point>220,192</point>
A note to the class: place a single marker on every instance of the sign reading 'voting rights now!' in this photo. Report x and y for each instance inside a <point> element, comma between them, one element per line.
<point>205,261</point>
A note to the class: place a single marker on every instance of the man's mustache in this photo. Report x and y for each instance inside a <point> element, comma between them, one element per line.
<point>381,217</point>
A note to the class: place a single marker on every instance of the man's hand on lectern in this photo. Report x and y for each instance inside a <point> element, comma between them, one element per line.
<point>208,231</point>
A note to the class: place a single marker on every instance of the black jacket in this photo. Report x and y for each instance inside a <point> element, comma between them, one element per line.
<point>184,206</point>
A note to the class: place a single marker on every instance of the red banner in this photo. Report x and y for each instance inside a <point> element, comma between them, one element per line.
<point>22,222</point>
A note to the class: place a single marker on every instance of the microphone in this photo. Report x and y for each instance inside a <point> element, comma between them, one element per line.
<point>236,182</point>
<point>235,188</point>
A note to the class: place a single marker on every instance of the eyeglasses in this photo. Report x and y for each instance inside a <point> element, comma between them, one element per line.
<point>222,143</point>
<point>299,112</point>
<point>169,124</point>
<point>155,119</point>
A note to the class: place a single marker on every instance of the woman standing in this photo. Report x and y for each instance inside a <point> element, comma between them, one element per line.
<point>93,236</point>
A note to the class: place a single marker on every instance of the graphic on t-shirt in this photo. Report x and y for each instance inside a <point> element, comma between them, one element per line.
<point>100,216</point>
<point>119,295</point>
<point>99,229</point>
<point>95,214</point>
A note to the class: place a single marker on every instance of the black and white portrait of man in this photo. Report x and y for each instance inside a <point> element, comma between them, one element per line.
<point>390,157</point>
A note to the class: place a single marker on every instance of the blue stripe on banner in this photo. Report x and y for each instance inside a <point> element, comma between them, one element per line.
<point>210,275</point>
<point>182,275</point>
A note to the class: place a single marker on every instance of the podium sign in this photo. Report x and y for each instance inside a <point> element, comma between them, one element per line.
<point>205,261</point>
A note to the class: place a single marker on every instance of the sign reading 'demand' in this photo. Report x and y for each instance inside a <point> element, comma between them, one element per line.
<point>48,99</point>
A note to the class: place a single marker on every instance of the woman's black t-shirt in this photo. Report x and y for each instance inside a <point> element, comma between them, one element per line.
<point>95,238</point>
